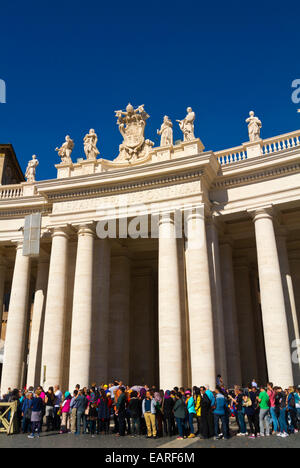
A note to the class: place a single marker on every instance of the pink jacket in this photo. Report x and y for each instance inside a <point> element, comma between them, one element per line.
<point>66,406</point>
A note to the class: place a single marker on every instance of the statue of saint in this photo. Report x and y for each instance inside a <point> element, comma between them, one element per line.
<point>65,150</point>
<point>187,125</point>
<point>31,169</point>
<point>254,126</point>
<point>90,145</point>
<point>166,132</point>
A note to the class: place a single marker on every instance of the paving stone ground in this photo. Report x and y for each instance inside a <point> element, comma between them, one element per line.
<point>54,440</point>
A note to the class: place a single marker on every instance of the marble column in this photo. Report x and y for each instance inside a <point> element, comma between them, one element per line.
<point>295,270</point>
<point>290,304</point>
<point>14,359</point>
<point>100,357</point>
<point>2,284</point>
<point>37,324</point>
<point>234,375</point>
<point>262,374</point>
<point>119,332</point>
<point>199,301</point>
<point>82,323</point>
<point>276,335</point>
<point>169,309</point>
<point>216,296</point>
<point>245,320</point>
<point>53,343</point>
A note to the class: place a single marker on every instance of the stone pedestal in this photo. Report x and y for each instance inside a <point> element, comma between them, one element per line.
<point>14,359</point>
<point>276,335</point>
<point>169,315</point>
<point>199,302</point>
<point>253,148</point>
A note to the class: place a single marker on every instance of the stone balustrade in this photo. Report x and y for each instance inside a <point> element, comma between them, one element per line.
<point>281,142</point>
<point>268,146</point>
<point>11,191</point>
<point>231,155</point>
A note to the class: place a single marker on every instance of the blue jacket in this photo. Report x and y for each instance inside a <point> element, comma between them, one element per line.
<point>220,403</point>
<point>211,397</point>
<point>26,405</point>
<point>191,405</point>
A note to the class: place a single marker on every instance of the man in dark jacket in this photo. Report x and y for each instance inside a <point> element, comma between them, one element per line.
<point>135,410</point>
<point>121,411</point>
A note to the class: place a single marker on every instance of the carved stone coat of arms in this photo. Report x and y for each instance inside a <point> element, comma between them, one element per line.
<point>132,127</point>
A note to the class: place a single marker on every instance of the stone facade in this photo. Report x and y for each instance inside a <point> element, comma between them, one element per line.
<point>219,294</point>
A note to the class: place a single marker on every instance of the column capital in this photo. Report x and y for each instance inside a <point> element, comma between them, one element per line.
<point>196,212</point>
<point>265,212</point>
<point>18,243</point>
<point>60,231</point>
<point>85,229</point>
<point>166,217</point>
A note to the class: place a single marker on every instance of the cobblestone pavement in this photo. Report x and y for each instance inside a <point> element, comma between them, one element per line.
<point>54,440</point>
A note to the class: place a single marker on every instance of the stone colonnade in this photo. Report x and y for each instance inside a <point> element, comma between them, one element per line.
<point>223,332</point>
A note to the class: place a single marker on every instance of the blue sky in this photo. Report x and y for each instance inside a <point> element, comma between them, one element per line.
<point>68,65</point>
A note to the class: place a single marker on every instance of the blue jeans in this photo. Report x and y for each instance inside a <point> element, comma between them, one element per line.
<point>241,418</point>
<point>180,422</point>
<point>264,421</point>
<point>282,420</point>
<point>274,419</point>
<point>191,423</point>
<point>26,425</point>
<point>81,416</point>
<point>217,417</point>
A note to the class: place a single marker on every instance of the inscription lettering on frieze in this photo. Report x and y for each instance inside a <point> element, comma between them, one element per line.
<point>127,199</point>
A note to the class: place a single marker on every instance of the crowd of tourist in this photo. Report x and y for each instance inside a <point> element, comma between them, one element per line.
<point>142,411</point>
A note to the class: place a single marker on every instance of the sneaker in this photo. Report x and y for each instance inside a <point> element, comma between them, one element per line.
<point>191,436</point>
<point>217,438</point>
<point>262,435</point>
<point>31,436</point>
<point>279,434</point>
<point>252,436</point>
<point>284,435</point>
<point>179,438</point>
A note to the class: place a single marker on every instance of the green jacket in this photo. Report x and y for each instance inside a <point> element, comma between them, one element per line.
<point>179,409</point>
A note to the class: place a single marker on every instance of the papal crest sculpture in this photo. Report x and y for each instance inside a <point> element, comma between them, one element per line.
<point>132,127</point>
